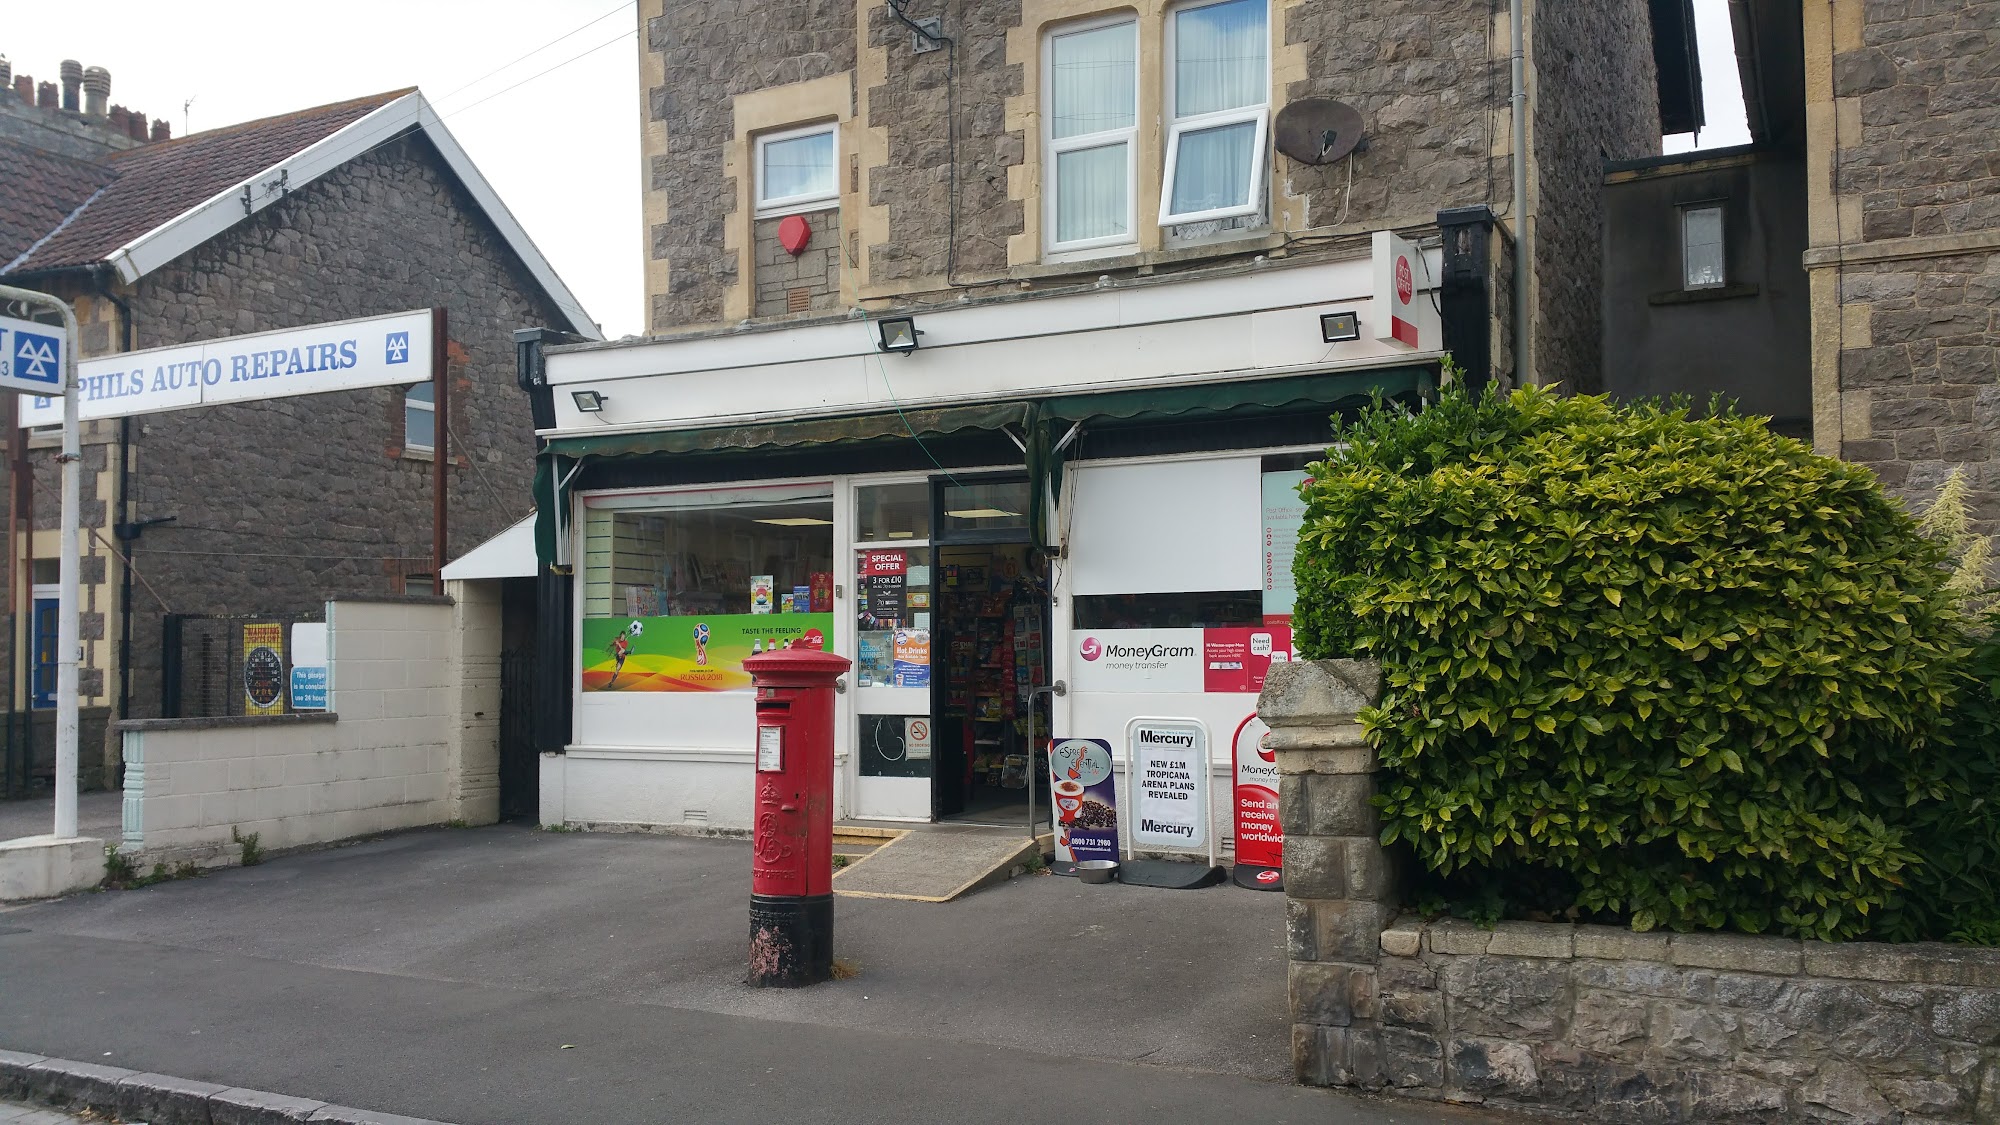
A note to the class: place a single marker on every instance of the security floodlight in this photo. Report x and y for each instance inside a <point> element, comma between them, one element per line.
<point>590,402</point>
<point>1338,327</point>
<point>898,334</point>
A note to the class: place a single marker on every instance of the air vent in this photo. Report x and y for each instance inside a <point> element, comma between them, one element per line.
<point>694,816</point>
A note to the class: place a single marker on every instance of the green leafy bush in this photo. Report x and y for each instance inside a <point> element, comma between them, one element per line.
<point>1678,671</point>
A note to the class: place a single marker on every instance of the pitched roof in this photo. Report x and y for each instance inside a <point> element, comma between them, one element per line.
<point>154,183</point>
<point>42,189</point>
<point>146,206</point>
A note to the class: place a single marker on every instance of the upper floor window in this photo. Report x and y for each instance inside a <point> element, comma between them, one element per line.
<point>1702,260</point>
<point>420,418</point>
<point>1092,97</point>
<point>795,169</point>
<point>1218,96</point>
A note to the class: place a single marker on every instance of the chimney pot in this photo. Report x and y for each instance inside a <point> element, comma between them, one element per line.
<point>6,73</point>
<point>96,90</point>
<point>24,89</point>
<point>136,127</point>
<point>120,118</point>
<point>46,96</point>
<point>161,130</point>
<point>72,85</point>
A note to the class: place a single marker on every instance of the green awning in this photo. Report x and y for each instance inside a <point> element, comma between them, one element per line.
<point>787,435</point>
<point>1332,389</point>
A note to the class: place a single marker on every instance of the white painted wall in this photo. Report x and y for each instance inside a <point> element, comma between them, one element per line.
<point>382,758</point>
<point>472,764</point>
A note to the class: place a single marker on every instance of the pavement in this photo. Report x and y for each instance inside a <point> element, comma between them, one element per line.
<point>509,975</point>
<point>15,1113</point>
<point>97,814</point>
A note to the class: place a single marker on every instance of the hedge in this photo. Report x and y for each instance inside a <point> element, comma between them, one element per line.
<point>1639,665</point>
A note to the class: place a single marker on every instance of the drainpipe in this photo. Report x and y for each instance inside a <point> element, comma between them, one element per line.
<point>1523,364</point>
<point>126,343</point>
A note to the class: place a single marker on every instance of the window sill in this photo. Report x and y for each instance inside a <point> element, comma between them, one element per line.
<point>779,211</point>
<point>1702,296</point>
<point>408,454</point>
<point>1121,257</point>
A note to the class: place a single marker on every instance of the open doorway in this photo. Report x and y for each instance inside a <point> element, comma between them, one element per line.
<point>991,641</point>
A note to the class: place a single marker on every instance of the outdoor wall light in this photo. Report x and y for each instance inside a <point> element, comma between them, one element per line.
<point>898,334</point>
<point>1338,327</point>
<point>590,402</point>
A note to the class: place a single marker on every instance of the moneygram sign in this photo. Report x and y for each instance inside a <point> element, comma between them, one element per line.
<point>373,352</point>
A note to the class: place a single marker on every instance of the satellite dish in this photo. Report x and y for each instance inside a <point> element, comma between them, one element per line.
<point>1317,130</point>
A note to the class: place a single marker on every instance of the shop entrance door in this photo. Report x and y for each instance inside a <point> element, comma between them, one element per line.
<point>891,576</point>
<point>989,642</point>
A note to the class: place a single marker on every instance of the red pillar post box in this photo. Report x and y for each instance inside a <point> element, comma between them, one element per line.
<point>791,869</point>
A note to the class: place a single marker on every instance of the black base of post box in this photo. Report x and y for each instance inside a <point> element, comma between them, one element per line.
<point>791,940</point>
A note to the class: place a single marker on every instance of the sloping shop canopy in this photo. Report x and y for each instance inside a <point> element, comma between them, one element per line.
<point>1042,422</point>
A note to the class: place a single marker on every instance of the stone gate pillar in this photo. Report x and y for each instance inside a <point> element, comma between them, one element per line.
<point>1339,886</point>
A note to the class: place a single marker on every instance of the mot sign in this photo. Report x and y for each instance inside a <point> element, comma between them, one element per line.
<point>376,351</point>
<point>31,360</point>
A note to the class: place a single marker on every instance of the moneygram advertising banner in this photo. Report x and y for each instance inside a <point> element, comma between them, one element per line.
<point>689,653</point>
<point>1232,660</point>
<point>374,352</point>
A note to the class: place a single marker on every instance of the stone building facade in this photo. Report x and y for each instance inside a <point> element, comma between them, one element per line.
<point>1903,142</point>
<point>267,509</point>
<point>940,147</point>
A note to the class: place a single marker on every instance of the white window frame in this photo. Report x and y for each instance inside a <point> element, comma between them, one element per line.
<point>793,204</point>
<point>420,404</point>
<point>1259,114</point>
<point>1688,284</point>
<point>1053,147</point>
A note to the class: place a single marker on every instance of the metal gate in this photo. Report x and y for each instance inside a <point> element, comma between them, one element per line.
<point>520,776</point>
<point>201,662</point>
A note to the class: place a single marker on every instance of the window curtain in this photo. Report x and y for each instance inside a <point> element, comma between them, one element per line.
<point>1213,168</point>
<point>1220,57</point>
<point>799,166</point>
<point>1093,87</point>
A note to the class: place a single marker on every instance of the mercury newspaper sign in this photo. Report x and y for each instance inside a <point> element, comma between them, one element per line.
<point>31,360</point>
<point>371,352</point>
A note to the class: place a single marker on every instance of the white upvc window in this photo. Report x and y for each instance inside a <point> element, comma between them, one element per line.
<point>1703,262</point>
<point>1090,95</point>
<point>797,170</point>
<point>1218,91</point>
<point>420,418</point>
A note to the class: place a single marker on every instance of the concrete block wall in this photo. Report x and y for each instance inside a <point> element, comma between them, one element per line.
<point>472,752</point>
<point>380,759</point>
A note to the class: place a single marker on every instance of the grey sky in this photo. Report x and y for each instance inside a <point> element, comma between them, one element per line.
<point>562,148</point>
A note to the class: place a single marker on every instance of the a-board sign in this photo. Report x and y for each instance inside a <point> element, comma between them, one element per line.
<point>376,351</point>
<point>1168,760</point>
<point>1084,791</point>
<point>31,359</point>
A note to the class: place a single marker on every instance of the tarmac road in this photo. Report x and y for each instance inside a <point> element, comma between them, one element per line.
<point>507,975</point>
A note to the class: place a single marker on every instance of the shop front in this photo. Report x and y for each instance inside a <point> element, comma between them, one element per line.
<point>1018,537</point>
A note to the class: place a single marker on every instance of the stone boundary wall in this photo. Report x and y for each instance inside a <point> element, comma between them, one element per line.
<point>1592,1021</point>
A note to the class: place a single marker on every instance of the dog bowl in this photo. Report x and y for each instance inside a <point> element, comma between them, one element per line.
<point>1097,870</point>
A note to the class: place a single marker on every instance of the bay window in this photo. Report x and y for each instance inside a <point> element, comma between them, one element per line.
<point>1218,101</point>
<point>1092,95</point>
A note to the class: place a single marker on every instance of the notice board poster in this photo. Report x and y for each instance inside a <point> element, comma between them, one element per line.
<point>1169,764</point>
<point>1284,514</point>
<point>1085,796</point>
<point>910,657</point>
<point>884,585</point>
<point>689,653</point>
<point>264,669</point>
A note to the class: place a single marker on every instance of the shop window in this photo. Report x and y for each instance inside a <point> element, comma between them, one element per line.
<point>985,507</point>
<point>887,513</point>
<point>795,170</point>
<point>420,418</point>
<point>42,677</point>
<point>678,590</point>
<point>1091,93</point>
<point>1218,92</point>
<point>1215,609</point>
<point>1702,257</point>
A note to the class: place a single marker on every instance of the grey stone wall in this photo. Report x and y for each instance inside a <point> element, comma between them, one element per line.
<point>1603,1023</point>
<point>914,107</point>
<point>1625,1027</point>
<point>280,505</point>
<point>1921,338</point>
<point>713,50</point>
<point>809,282</point>
<point>1595,99</point>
